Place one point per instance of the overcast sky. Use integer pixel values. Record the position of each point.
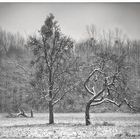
(73, 18)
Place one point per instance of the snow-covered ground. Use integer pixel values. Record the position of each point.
(72, 125)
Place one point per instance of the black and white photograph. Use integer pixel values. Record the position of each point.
(69, 70)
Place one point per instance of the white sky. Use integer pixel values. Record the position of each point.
(73, 18)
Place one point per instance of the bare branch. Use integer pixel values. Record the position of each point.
(129, 105)
(56, 92)
(113, 78)
(106, 100)
(112, 90)
(87, 80)
(113, 102)
(46, 97)
(99, 93)
(98, 100)
(98, 103)
(64, 94)
(89, 91)
(55, 102)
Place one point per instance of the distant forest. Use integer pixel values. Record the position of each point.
(21, 85)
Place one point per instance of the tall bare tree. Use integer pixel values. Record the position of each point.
(54, 63)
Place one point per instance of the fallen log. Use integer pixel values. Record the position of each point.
(20, 114)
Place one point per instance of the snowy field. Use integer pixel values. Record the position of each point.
(72, 125)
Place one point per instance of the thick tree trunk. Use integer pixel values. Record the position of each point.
(51, 116)
(87, 116)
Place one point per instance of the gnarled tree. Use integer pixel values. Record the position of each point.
(108, 81)
(107, 70)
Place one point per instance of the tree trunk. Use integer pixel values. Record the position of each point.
(87, 116)
(32, 113)
(51, 117)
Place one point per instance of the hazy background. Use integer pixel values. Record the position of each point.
(73, 18)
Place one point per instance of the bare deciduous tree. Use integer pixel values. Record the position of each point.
(107, 82)
(54, 63)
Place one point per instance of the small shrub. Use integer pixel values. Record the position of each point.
(108, 124)
(104, 124)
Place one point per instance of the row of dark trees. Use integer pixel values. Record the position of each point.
(51, 70)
